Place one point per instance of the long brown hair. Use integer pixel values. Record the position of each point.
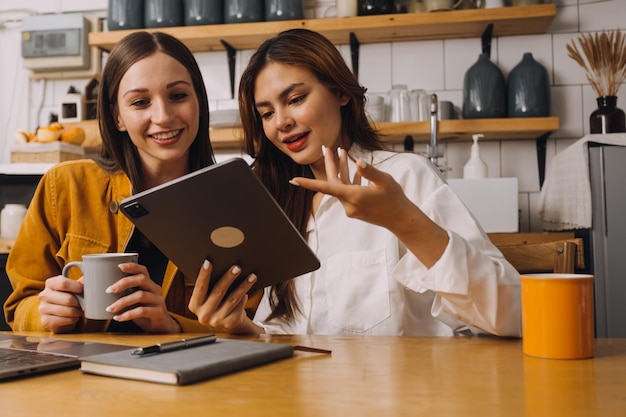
(118, 152)
(310, 50)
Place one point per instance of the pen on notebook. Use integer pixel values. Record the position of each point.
(178, 344)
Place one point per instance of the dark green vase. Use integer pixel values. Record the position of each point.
(484, 90)
(528, 89)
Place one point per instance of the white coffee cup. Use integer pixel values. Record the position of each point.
(494, 4)
(100, 271)
(346, 8)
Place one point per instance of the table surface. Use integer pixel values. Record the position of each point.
(364, 376)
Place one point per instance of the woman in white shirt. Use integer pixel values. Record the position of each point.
(400, 254)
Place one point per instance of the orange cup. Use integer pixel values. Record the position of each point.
(557, 316)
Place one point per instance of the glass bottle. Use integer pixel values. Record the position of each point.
(607, 118)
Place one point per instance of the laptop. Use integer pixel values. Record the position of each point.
(27, 355)
(222, 213)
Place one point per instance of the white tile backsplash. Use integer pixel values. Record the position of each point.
(566, 19)
(569, 72)
(519, 159)
(373, 75)
(566, 104)
(437, 66)
(512, 49)
(459, 55)
(602, 15)
(216, 75)
(418, 64)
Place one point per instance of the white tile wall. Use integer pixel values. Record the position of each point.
(438, 66)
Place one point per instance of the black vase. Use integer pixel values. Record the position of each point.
(607, 118)
(484, 90)
(528, 89)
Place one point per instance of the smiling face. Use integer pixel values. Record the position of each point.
(158, 107)
(299, 113)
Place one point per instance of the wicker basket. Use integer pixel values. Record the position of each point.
(46, 152)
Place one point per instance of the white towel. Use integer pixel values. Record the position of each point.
(565, 198)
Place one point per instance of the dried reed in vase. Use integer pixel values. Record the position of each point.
(603, 58)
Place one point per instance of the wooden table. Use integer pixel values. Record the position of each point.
(364, 376)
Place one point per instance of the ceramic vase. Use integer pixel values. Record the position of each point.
(607, 118)
(163, 13)
(528, 89)
(204, 12)
(243, 11)
(283, 10)
(125, 14)
(484, 90)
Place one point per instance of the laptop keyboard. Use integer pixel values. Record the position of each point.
(20, 357)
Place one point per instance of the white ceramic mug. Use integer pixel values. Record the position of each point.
(100, 271)
(346, 8)
(494, 4)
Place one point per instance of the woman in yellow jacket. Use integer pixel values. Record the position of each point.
(153, 114)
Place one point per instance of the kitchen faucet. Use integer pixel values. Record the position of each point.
(433, 150)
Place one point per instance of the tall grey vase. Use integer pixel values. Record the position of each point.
(484, 90)
(528, 89)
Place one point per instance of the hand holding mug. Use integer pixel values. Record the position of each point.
(100, 271)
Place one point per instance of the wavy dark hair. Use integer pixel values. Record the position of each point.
(118, 152)
(313, 51)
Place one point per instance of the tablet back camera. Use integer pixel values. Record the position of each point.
(135, 210)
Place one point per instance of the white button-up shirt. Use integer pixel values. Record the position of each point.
(370, 284)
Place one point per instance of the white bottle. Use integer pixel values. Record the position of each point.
(475, 166)
(11, 218)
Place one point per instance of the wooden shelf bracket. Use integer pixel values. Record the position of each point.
(232, 60)
(354, 53)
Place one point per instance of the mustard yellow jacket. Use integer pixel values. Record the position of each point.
(74, 211)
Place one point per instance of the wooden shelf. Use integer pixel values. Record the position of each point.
(531, 128)
(521, 20)
(507, 21)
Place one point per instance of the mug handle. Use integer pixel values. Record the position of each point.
(64, 272)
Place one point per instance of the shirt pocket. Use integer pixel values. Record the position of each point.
(75, 246)
(358, 290)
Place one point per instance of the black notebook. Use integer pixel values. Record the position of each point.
(222, 213)
(185, 366)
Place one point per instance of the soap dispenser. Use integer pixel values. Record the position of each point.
(475, 166)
